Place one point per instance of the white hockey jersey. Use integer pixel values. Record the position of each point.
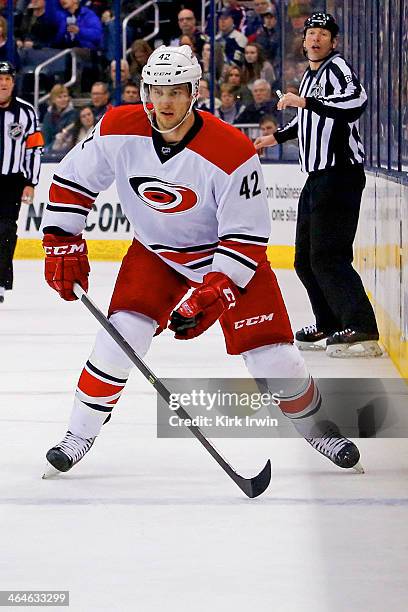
(200, 205)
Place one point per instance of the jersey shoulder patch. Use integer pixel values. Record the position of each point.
(127, 120)
(221, 144)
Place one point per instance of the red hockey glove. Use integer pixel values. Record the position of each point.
(66, 262)
(204, 307)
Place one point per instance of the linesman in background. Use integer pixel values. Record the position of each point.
(21, 145)
(330, 102)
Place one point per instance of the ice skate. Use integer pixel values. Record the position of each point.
(309, 338)
(63, 456)
(353, 343)
(341, 451)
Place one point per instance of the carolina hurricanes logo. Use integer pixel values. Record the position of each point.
(163, 196)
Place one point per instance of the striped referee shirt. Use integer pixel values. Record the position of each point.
(327, 128)
(21, 141)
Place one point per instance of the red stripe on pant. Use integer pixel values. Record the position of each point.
(94, 387)
(294, 406)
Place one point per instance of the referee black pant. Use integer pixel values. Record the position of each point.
(328, 212)
(11, 190)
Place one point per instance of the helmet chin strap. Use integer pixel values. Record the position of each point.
(150, 115)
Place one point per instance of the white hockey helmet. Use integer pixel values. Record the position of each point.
(170, 66)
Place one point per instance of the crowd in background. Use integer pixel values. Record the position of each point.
(249, 62)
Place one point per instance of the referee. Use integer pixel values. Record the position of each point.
(21, 145)
(330, 102)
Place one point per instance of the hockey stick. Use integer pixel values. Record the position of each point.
(252, 487)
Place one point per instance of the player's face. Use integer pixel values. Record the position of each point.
(318, 43)
(171, 103)
(6, 87)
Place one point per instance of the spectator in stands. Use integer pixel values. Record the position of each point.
(232, 40)
(254, 18)
(108, 35)
(255, 66)
(100, 99)
(124, 74)
(294, 46)
(3, 44)
(85, 122)
(268, 125)
(233, 77)
(238, 13)
(268, 36)
(188, 25)
(139, 54)
(263, 104)
(230, 106)
(131, 93)
(76, 131)
(60, 113)
(186, 39)
(77, 25)
(97, 6)
(203, 100)
(290, 150)
(290, 72)
(219, 60)
(35, 30)
(297, 12)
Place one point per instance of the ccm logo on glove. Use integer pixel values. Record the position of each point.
(66, 249)
(205, 306)
(66, 263)
(230, 296)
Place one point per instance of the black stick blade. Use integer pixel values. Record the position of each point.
(252, 487)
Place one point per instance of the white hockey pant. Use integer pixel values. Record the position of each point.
(105, 373)
(283, 369)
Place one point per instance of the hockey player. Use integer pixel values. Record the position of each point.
(192, 188)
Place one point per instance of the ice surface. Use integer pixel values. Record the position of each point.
(149, 524)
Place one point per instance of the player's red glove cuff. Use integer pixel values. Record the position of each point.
(66, 262)
(205, 306)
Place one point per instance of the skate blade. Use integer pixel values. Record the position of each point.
(358, 349)
(50, 472)
(358, 468)
(311, 346)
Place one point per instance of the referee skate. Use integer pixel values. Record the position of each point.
(352, 343)
(341, 344)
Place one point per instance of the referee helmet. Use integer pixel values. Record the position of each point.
(7, 68)
(321, 20)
